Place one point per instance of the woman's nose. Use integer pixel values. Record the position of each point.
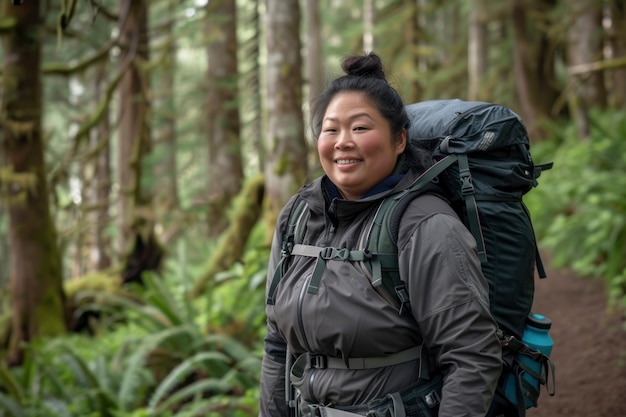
(344, 140)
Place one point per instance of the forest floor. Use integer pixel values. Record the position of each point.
(589, 348)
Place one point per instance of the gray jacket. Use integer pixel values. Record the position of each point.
(347, 318)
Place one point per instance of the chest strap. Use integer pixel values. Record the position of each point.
(324, 362)
(323, 255)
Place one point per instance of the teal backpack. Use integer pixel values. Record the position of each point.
(482, 162)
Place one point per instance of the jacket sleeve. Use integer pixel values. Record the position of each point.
(450, 301)
(272, 387)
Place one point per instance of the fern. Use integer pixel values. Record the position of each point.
(12, 407)
(229, 345)
(181, 371)
(134, 375)
(195, 390)
(98, 397)
(160, 297)
(218, 406)
(10, 383)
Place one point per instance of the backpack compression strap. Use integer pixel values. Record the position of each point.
(469, 196)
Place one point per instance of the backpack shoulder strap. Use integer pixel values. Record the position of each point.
(293, 234)
(381, 238)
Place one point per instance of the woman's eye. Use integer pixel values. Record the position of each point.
(360, 128)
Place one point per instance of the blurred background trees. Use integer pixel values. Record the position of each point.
(147, 147)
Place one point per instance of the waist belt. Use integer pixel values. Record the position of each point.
(323, 361)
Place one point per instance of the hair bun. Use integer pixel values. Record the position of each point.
(369, 65)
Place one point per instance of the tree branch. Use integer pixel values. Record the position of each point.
(597, 66)
(58, 68)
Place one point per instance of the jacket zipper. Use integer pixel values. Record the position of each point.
(303, 292)
(300, 316)
(303, 333)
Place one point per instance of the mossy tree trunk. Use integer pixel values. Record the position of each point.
(286, 165)
(101, 184)
(165, 188)
(222, 113)
(247, 210)
(38, 301)
(617, 41)
(133, 123)
(533, 65)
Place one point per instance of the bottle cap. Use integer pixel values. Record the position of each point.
(538, 321)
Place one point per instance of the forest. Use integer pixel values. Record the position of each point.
(147, 147)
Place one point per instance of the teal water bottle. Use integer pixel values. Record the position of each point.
(536, 336)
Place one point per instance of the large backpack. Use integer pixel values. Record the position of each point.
(491, 168)
(482, 162)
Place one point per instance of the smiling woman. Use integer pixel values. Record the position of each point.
(346, 349)
(356, 146)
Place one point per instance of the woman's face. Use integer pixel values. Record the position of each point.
(355, 144)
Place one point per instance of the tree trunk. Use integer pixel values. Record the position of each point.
(369, 17)
(286, 165)
(533, 65)
(584, 46)
(251, 92)
(222, 113)
(165, 191)
(617, 42)
(101, 187)
(38, 301)
(133, 126)
(246, 210)
(314, 56)
(412, 32)
(585, 42)
(477, 57)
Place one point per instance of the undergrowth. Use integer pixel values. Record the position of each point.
(164, 355)
(579, 207)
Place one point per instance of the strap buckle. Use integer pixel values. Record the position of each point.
(432, 398)
(317, 361)
(327, 253)
(467, 185)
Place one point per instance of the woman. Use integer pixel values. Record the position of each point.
(361, 130)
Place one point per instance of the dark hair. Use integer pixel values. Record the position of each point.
(364, 73)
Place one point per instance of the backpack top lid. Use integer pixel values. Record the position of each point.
(493, 136)
(477, 126)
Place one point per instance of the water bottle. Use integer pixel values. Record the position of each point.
(536, 336)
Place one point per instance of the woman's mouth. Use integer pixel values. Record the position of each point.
(346, 161)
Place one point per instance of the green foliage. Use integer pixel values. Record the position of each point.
(160, 359)
(579, 209)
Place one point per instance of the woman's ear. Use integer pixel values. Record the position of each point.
(401, 142)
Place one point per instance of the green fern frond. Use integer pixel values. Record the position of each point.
(196, 389)
(134, 376)
(10, 383)
(11, 406)
(80, 369)
(57, 387)
(230, 346)
(179, 373)
(217, 406)
(160, 297)
(99, 398)
(133, 379)
(125, 351)
(247, 372)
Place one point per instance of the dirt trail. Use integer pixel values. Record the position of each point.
(589, 351)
